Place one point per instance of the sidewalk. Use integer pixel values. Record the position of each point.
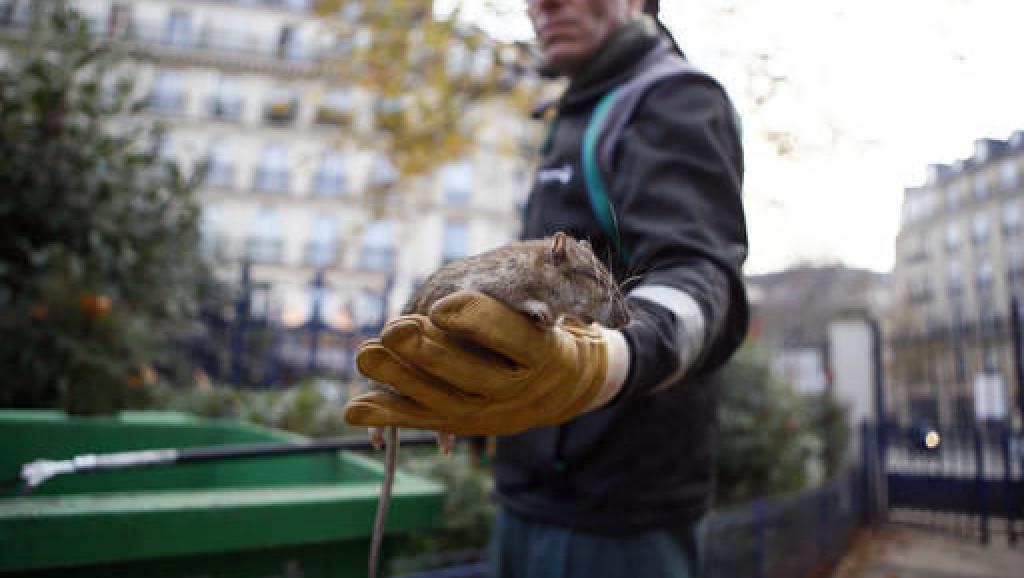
(902, 552)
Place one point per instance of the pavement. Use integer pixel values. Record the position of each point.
(895, 551)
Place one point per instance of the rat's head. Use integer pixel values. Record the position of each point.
(579, 281)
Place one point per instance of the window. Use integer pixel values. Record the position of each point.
(952, 198)
(179, 28)
(288, 45)
(382, 172)
(1012, 218)
(378, 246)
(952, 236)
(272, 174)
(457, 60)
(321, 249)
(9, 12)
(457, 180)
(211, 221)
(389, 114)
(483, 61)
(168, 93)
(226, 102)
(1015, 264)
(213, 241)
(265, 244)
(336, 108)
(330, 179)
(456, 241)
(119, 19)
(282, 106)
(980, 184)
(221, 171)
(954, 278)
(1008, 172)
(918, 291)
(979, 229)
(369, 310)
(984, 274)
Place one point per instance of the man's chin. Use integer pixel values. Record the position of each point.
(564, 60)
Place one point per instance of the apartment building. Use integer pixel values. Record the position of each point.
(241, 85)
(959, 263)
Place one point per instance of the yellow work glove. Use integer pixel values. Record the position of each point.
(478, 367)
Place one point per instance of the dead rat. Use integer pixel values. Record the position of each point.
(544, 279)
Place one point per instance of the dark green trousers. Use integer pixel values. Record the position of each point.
(523, 548)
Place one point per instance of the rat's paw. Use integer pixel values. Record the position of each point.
(445, 442)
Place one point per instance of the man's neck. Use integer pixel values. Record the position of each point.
(616, 52)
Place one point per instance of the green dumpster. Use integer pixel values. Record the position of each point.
(292, 516)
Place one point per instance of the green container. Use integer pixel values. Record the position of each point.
(296, 516)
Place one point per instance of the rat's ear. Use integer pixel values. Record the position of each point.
(557, 254)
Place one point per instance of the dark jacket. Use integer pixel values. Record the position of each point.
(646, 459)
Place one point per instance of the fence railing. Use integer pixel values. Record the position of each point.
(792, 537)
(966, 480)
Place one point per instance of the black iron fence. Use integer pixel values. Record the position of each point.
(967, 480)
(241, 340)
(792, 537)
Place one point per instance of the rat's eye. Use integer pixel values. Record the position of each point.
(585, 273)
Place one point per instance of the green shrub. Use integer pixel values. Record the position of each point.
(98, 235)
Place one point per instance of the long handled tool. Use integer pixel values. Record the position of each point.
(34, 474)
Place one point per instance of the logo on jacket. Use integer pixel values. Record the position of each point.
(559, 175)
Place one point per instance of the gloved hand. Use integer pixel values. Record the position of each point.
(478, 367)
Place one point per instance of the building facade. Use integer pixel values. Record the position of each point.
(959, 264)
(240, 86)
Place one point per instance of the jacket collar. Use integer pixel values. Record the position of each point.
(613, 63)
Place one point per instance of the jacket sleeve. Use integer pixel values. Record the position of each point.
(677, 191)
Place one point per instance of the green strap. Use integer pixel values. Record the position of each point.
(597, 190)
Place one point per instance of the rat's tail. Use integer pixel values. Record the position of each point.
(390, 462)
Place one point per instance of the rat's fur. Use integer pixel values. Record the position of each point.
(544, 279)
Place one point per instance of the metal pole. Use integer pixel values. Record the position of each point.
(760, 538)
(880, 494)
(1005, 439)
(1018, 356)
(239, 327)
(34, 474)
(315, 323)
(980, 489)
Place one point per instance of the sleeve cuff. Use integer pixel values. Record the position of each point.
(618, 367)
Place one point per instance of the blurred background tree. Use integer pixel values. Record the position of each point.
(431, 79)
(98, 242)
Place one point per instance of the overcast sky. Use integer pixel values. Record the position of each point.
(875, 90)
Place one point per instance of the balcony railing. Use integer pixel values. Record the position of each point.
(333, 116)
(215, 247)
(319, 254)
(220, 176)
(377, 258)
(329, 185)
(264, 250)
(166, 102)
(298, 5)
(270, 180)
(281, 112)
(240, 46)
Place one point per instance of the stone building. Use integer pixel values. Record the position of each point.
(959, 263)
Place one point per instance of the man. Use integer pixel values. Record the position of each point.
(604, 464)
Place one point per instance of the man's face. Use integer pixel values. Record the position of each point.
(570, 31)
